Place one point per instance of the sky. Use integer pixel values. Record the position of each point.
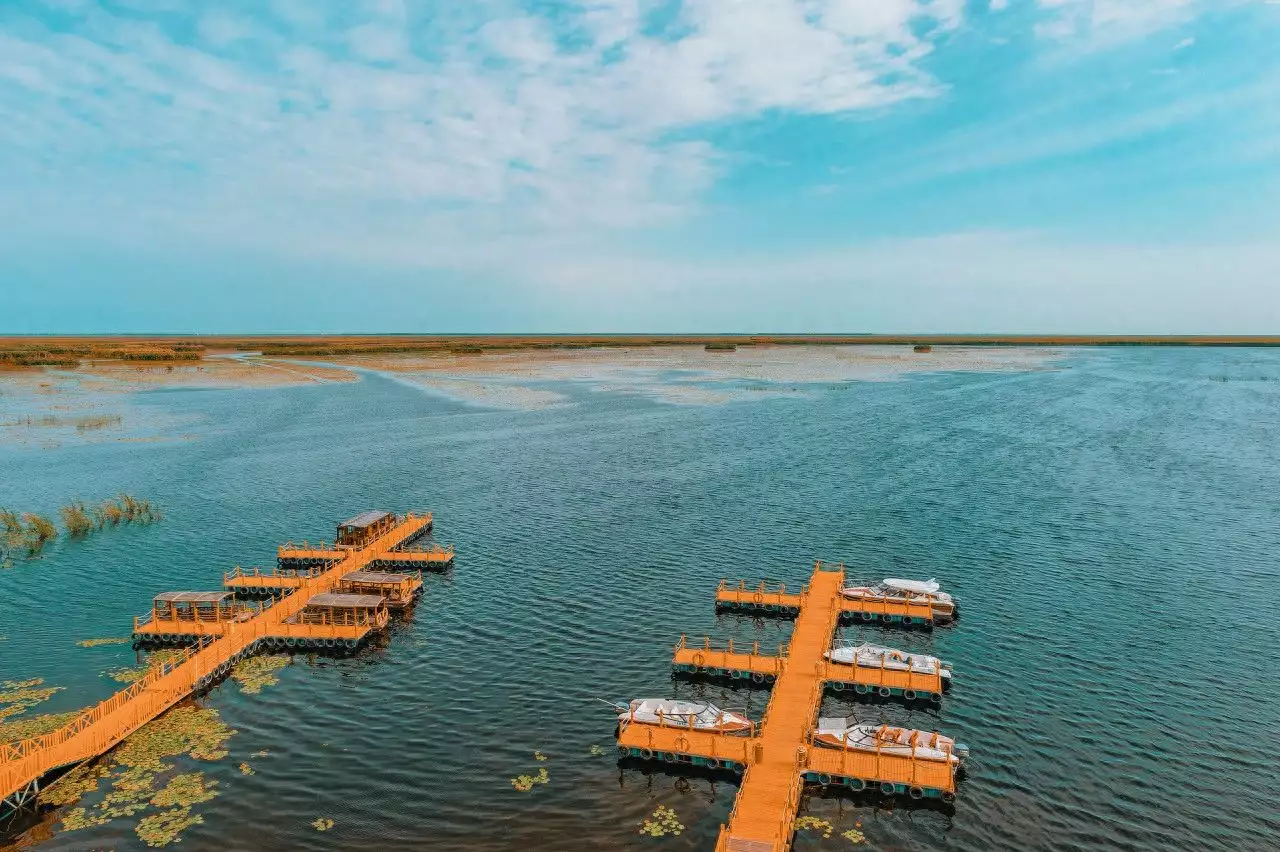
(1090, 166)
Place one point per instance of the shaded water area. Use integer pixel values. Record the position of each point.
(1110, 525)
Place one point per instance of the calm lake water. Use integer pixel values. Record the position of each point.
(1111, 526)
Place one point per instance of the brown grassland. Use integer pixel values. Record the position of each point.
(17, 352)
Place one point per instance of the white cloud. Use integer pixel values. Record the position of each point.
(1184, 44)
(551, 135)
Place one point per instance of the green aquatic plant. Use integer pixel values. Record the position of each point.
(187, 729)
(661, 822)
(525, 783)
(185, 790)
(70, 788)
(19, 696)
(38, 531)
(77, 519)
(163, 828)
(855, 835)
(809, 823)
(596, 751)
(246, 769)
(537, 755)
(94, 643)
(256, 672)
(33, 726)
(322, 824)
(154, 660)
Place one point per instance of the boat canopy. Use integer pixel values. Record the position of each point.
(918, 586)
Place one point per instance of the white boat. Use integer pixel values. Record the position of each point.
(888, 740)
(876, 656)
(894, 590)
(697, 715)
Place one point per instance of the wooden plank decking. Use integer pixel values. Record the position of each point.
(24, 763)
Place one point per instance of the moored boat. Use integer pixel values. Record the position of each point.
(697, 715)
(889, 740)
(894, 590)
(877, 656)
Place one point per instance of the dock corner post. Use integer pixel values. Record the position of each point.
(758, 753)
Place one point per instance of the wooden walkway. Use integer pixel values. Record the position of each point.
(779, 754)
(770, 793)
(24, 763)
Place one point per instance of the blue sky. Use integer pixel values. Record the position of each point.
(640, 165)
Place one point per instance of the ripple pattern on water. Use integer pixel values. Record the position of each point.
(1109, 526)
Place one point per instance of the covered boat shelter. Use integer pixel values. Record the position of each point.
(364, 528)
(337, 608)
(398, 589)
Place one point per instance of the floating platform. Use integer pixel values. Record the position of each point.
(777, 601)
(779, 755)
(399, 590)
(219, 631)
(430, 557)
(268, 580)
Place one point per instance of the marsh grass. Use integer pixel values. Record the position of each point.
(77, 519)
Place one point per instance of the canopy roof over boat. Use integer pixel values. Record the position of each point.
(379, 578)
(918, 586)
(192, 597)
(349, 601)
(365, 519)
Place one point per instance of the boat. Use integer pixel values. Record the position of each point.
(876, 656)
(889, 740)
(893, 590)
(697, 715)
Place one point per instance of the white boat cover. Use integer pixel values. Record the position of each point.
(921, 587)
(670, 711)
(889, 740)
(893, 658)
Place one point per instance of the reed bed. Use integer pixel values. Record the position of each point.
(28, 533)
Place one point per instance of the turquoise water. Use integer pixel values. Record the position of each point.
(1111, 527)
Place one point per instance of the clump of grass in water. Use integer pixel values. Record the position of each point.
(77, 519)
(662, 822)
(322, 824)
(524, 783)
(256, 672)
(94, 643)
(154, 660)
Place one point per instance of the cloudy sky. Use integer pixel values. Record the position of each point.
(640, 165)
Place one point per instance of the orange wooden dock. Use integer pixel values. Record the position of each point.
(214, 647)
(778, 755)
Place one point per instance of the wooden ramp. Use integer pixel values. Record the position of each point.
(24, 763)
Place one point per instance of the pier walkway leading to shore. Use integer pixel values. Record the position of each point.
(779, 754)
(210, 656)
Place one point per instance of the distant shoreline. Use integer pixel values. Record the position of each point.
(63, 350)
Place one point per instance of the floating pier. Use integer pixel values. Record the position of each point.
(313, 611)
(778, 755)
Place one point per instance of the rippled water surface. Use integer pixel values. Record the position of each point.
(1111, 526)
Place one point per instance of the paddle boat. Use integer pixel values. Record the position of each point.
(893, 590)
(889, 740)
(875, 656)
(696, 715)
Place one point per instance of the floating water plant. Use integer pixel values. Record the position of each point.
(18, 696)
(246, 769)
(322, 824)
(94, 643)
(70, 788)
(661, 822)
(185, 790)
(524, 783)
(256, 672)
(537, 755)
(596, 751)
(854, 835)
(33, 726)
(808, 823)
(192, 730)
(163, 828)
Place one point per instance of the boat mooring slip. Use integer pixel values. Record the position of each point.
(791, 745)
(326, 597)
